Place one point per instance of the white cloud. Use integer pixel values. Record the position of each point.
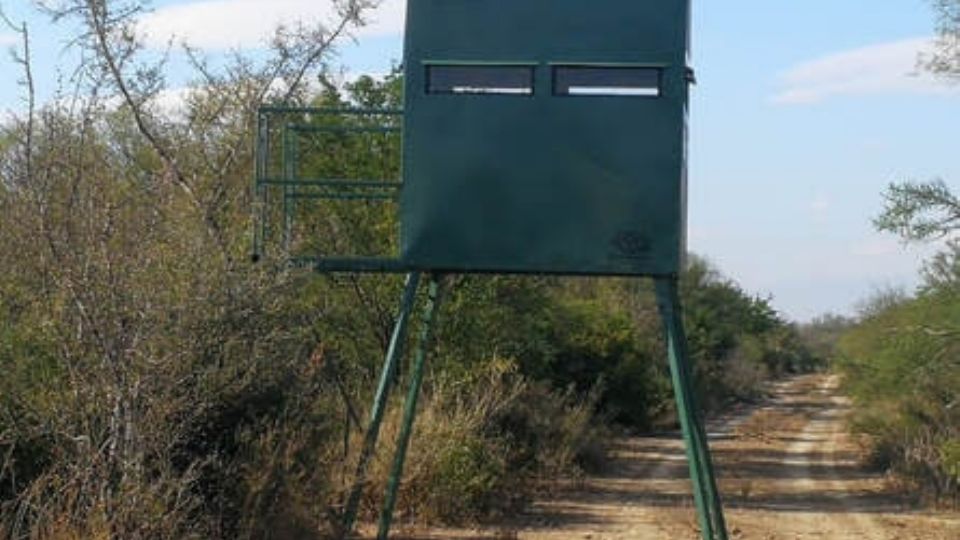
(885, 68)
(221, 24)
(172, 102)
(8, 39)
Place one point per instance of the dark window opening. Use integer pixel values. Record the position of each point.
(606, 81)
(480, 79)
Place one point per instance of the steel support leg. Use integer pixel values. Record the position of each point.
(289, 171)
(410, 407)
(260, 213)
(705, 493)
(394, 352)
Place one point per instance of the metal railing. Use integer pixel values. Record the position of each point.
(317, 167)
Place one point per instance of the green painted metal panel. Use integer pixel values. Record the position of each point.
(545, 136)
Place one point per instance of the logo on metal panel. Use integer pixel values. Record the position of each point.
(631, 245)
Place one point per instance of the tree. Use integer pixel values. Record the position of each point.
(148, 374)
(918, 211)
(158, 385)
(902, 360)
(945, 60)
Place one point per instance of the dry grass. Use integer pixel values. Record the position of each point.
(481, 449)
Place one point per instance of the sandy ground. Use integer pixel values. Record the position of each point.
(788, 471)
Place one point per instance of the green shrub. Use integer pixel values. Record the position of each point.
(901, 365)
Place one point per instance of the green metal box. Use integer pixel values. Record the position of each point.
(545, 136)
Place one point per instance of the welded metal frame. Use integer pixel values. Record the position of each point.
(706, 495)
(291, 187)
(294, 188)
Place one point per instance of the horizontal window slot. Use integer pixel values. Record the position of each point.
(607, 81)
(480, 79)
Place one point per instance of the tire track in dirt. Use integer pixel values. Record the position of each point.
(645, 492)
(806, 479)
(823, 429)
(862, 521)
(788, 471)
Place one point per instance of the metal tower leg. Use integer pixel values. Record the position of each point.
(706, 495)
(289, 171)
(410, 407)
(394, 352)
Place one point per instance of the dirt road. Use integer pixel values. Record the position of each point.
(788, 471)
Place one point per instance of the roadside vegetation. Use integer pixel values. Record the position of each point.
(157, 384)
(901, 361)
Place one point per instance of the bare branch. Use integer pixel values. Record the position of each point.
(104, 28)
(27, 82)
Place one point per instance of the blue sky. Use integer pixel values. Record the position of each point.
(804, 111)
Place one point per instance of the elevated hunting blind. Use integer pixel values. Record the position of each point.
(536, 136)
(545, 136)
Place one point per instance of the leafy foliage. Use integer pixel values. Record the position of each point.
(945, 61)
(736, 340)
(902, 367)
(920, 211)
(902, 361)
